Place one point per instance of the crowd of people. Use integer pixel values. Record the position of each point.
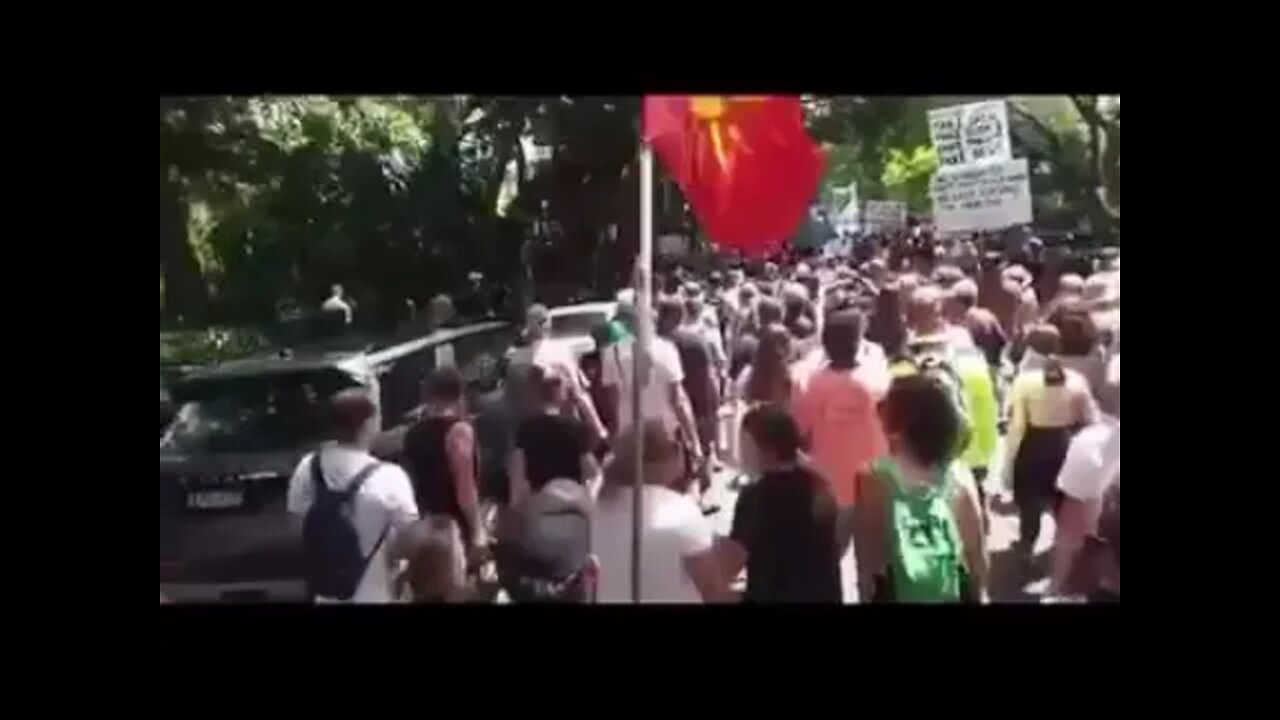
(858, 400)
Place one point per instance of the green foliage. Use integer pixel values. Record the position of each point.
(211, 345)
(1072, 143)
(861, 134)
(271, 199)
(274, 198)
(906, 175)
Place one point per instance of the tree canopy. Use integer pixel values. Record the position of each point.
(266, 201)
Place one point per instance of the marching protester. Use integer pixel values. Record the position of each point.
(678, 561)
(1022, 307)
(351, 505)
(1095, 572)
(434, 562)
(1080, 347)
(917, 527)
(440, 455)
(887, 327)
(603, 335)
(543, 351)
(925, 319)
(962, 311)
(769, 311)
(836, 414)
(543, 546)
(784, 524)
(678, 322)
(1091, 463)
(549, 445)
(662, 395)
(1047, 406)
(766, 380)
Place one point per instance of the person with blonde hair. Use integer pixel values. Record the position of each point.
(549, 444)
(434, 564)
(1047, 406)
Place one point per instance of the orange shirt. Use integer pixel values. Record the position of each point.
(837, 412)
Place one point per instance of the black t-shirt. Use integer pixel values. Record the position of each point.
(786, 521)
(553, 447)
(744, 351)
(695, 360)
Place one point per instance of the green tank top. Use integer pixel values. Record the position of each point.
(926, 563)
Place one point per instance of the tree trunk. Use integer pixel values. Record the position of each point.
(1089, 186)
(526, 283)
(1100, 140)
(186, 296)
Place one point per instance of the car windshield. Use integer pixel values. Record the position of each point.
(577, 324)
(263, 413)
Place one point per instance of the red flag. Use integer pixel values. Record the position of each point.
(746, 163)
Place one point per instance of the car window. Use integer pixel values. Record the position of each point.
(480, 352)
(401, 385)
(578, 324)
(255, 413)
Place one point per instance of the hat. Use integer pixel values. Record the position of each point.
(548, 536)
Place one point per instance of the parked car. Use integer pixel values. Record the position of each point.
(169, 374)
(239, 432)
(572, 324)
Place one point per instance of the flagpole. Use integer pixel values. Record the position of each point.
(644, 327)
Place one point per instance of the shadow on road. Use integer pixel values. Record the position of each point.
(1011, 571)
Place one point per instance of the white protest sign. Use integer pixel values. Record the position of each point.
(973, 133)
(886, 214)
(848, 217)
(981, 197)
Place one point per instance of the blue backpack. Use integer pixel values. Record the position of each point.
(331, 545)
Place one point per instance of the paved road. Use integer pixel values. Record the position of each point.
(1011, 580)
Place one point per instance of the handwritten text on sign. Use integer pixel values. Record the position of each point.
(886, 214)
(986, 197)
(973, 133)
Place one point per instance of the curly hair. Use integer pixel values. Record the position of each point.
(919, 409)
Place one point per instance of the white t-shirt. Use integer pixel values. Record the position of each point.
(385, 500)
(337, 304)
(549, 353)
(1093, 460)
(655, 398)
(873, 368)
(673, 528)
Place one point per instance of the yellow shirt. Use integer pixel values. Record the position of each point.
(1034, 404)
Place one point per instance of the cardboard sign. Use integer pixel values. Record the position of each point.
(883, 215)
(981, 197)
(973, 133)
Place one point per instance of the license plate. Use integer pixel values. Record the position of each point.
(215, 499)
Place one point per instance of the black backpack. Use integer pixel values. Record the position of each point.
(331, 545)
(544, 545)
